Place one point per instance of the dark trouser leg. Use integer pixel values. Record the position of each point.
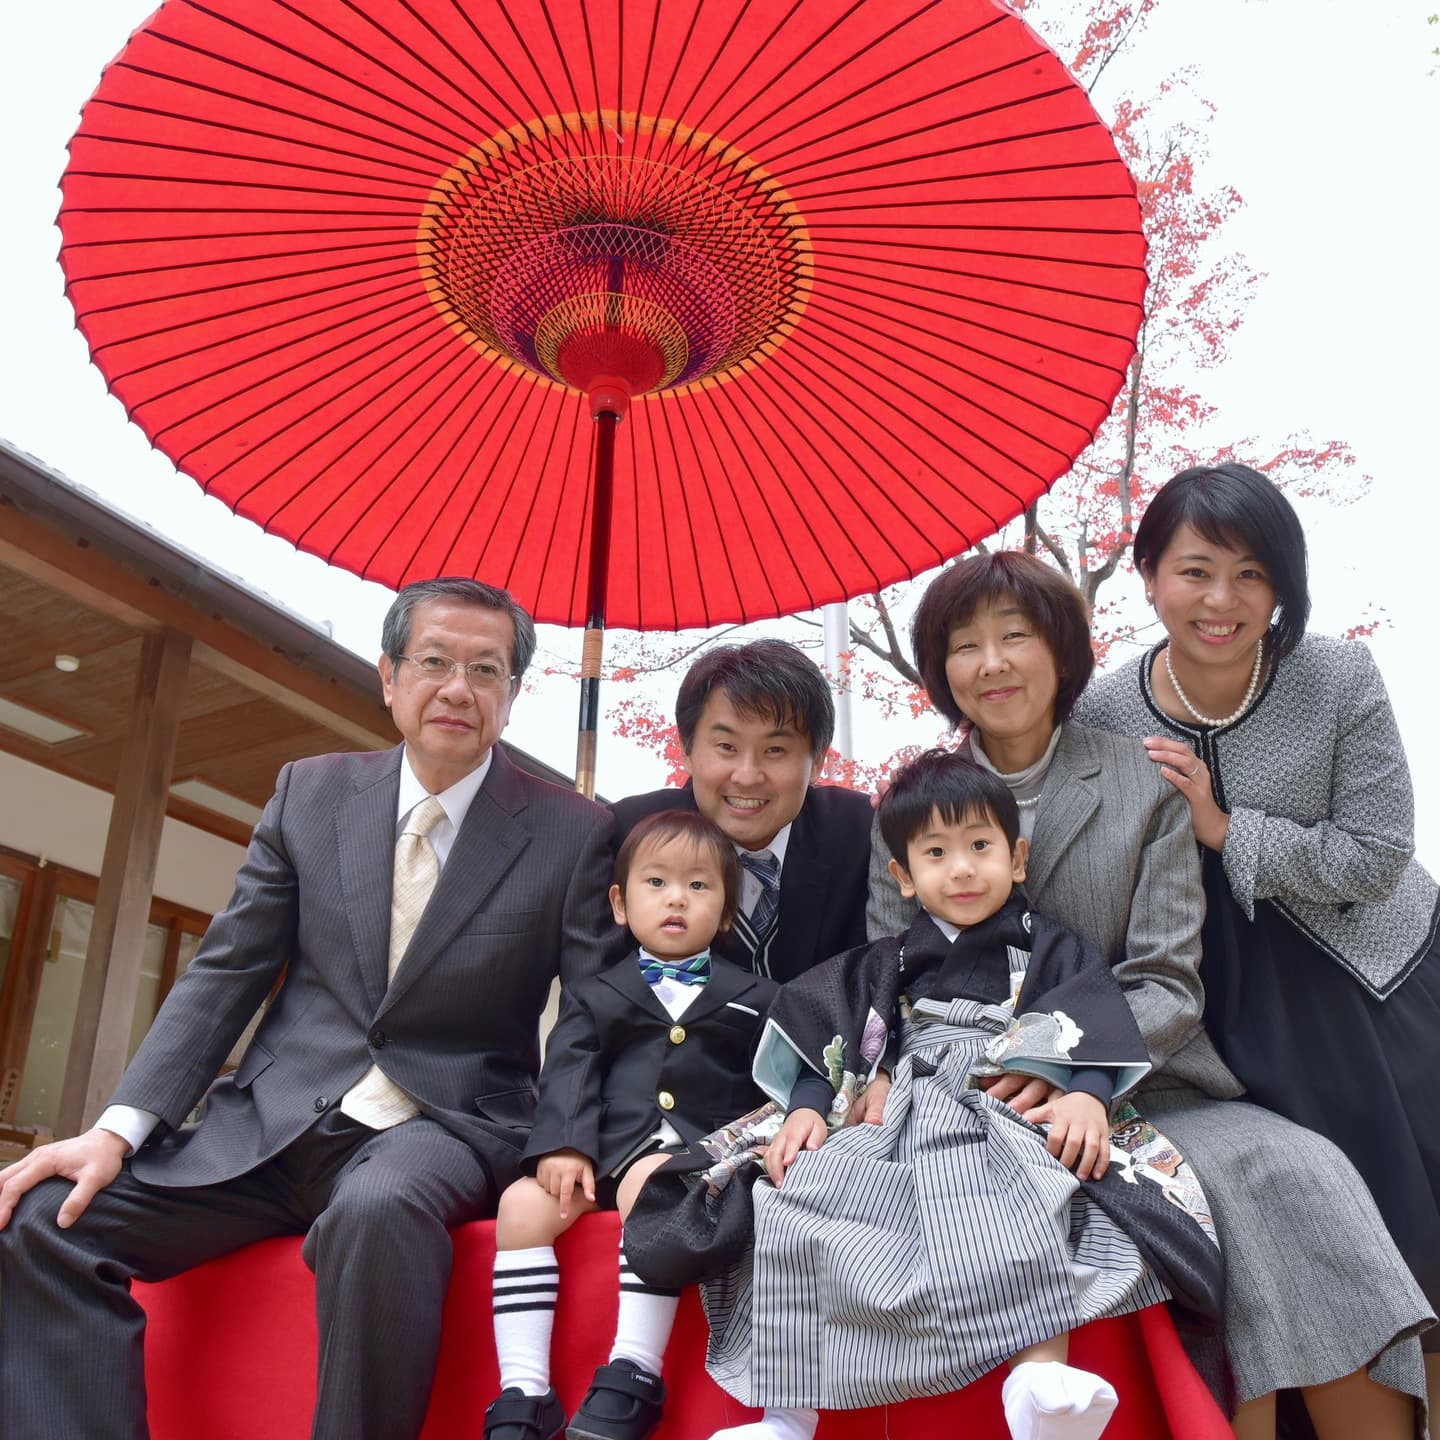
(381, 1255)
(71, 1336)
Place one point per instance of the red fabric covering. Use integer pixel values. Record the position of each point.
(231, 1356)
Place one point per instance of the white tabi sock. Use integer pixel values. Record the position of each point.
(647, 1315)
(1045, 1400)
(526, 1284)
(775, 1425)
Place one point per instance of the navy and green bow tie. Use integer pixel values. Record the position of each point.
(694, 971)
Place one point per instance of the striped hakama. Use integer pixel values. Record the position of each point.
(911, 1257)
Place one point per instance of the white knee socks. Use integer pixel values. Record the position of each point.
(775, 1425)
(1045, 1400)
(647, 1315)
(526, 1284)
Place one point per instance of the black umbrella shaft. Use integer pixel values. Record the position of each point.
(606, 422)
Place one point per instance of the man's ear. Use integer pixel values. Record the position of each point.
(1018, 857)
(386, 666)
(902, 879)
(617, 904)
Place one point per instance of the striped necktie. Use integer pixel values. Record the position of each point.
(754, 930)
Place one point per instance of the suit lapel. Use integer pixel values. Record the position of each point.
(626, 978)
(490, 839)
(1068, 800)
(804, 884)
(365, 842)
(725, 983)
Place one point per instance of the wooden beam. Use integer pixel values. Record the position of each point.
(100, 1038)
(84, 573)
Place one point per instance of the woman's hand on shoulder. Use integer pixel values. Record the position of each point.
(1079, 1133)
(1190, 775)
(802, 1130)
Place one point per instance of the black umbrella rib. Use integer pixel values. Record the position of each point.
(561, 56)
(642, 417)
(464, 401)
(224, 184)
(716, 469)
(422, 326)
(458, 138)
(845, 135)
(840, 280)
(904, 343)
(821, 370)
(464, 13)
(816, 331)
(902, 271)
(172, 147)
(803, 195)
(425, 160)
(172, 239)
(369, 505)
(826, 76)
(664, 100)
(325, 314)
(314, 477)
(907, 242)
(665, 411)
(403, 251)
(798, 435)
(174, 295)
(719, 395)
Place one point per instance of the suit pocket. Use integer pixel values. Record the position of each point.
(255, 1059)
(514, 1109)
(502, 922)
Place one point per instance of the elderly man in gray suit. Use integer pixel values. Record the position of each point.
(418, 904)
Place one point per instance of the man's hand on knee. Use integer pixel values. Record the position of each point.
(91, 1160)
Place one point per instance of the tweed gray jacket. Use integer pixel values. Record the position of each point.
(1113, 858)
(1321, 809)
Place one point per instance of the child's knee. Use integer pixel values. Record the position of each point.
(528, 1215)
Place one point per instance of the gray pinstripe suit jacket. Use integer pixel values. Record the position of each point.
(521, 899)
(1113, 857)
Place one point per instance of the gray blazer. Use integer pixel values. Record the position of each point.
(1113, 858)
(1322, 815)
(521, 898)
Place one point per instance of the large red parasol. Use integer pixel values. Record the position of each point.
(860, 279)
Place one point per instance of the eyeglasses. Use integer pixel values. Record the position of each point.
(479, 674)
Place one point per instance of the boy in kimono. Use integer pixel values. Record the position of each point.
(648, 1055)
(911, 1255)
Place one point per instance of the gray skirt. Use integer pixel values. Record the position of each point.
(1315, 1289)
(911, 1257)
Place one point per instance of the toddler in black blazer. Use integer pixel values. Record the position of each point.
(653, 1053)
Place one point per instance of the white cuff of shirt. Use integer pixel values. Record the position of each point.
(133, 1126)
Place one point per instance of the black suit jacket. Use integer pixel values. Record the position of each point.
(521, 899)
(823, 883)
(615, 1051)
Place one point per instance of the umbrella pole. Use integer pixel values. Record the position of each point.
(608, 405)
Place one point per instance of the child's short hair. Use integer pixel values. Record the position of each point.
(667, 825)
(951, 784)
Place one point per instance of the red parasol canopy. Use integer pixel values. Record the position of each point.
(865, 276)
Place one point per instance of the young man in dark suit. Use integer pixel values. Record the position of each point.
(418, 903)
(755, 723)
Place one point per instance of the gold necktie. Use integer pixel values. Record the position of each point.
(376, 1100)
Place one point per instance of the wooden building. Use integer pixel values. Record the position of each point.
(147, 702)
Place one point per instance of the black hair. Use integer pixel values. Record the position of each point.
(395, 632)
(1047, 599)
(766, 679)
(948, 784)
(1239, 508)
(667, 825)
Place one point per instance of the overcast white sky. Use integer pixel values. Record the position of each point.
(1328, 123)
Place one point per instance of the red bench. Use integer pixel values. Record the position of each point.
(231, 1356)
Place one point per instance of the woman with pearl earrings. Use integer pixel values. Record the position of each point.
(1321, 974)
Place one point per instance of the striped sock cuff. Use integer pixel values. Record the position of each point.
(525, 1280)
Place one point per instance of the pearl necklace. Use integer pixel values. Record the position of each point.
(1244, 704)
